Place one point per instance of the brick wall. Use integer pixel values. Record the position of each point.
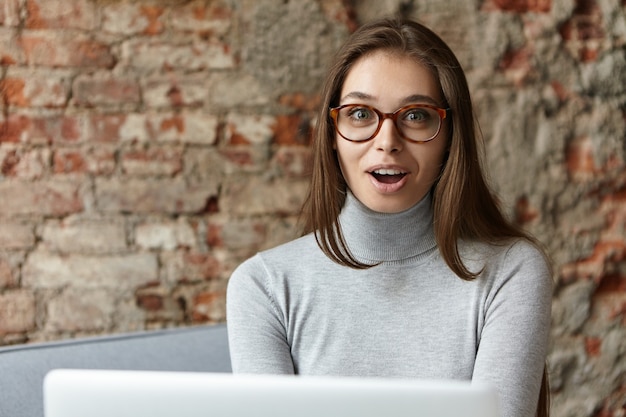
(147, 147)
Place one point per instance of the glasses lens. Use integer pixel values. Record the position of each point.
(416, 123)
(357, 122)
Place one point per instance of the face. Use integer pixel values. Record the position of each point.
(387, 173)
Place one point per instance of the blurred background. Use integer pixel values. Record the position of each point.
(147, 147)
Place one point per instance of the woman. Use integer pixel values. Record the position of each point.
(407, 268)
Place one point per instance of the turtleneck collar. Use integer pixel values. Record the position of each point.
(382, 237)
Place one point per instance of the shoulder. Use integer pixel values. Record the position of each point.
(294, 249)
(296, 252)
(518, 259)
(518, 249)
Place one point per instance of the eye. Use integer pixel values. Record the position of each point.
(416, 115)
(359, 113)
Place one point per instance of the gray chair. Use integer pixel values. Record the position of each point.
(23, 367)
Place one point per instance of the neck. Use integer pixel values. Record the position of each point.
(378, 237)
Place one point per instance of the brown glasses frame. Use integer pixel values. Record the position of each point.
(443, 113)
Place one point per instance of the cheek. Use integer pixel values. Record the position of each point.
(348, 158)
(432, 159)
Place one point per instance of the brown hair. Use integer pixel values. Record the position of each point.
(463, 205)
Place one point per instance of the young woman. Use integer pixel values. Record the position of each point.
(407, 268)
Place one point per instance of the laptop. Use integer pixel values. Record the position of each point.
(107, 393)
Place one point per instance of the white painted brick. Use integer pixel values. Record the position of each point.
(167, 236)
(123, 272)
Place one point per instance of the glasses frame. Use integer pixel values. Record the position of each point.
(443, 113)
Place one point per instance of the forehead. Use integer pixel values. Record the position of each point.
(389, 78)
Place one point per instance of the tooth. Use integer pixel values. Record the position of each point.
(388, 172)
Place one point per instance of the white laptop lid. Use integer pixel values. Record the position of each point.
(104, 393)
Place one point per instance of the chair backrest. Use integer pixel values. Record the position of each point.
(22, 368)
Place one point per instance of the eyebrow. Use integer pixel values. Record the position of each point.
(414, 98)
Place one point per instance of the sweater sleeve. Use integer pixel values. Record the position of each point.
(256, 331)
(513, 343)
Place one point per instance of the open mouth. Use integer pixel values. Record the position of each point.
(388, 176)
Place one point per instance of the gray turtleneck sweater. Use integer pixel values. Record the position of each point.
(293, 310)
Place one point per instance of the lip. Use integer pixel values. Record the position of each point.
(386, 188)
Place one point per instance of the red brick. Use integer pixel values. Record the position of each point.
(522, 6)
(10, 52)
(7, 278)
(342, 12)
(213, 19)
(105, 90)
(200, 266)
(193, 56)
(42, 130)
(300, 101)
(294, 129)
(133, 18)
(190, 267)
(293, 161)
(64, 50)
(584, 31)
(609, 299)
(10, 13)
(561, 91)
(593, 346)
(214, 235)
(106, 127)
(83, 235)
(75, 310)
(254, 195)
(579, 159)
(153, 161)
(167, 195)
(101, 160)
(13, 127)
(525, 212)
(24, 163)
(67, 161)
(150, 302)
(613, 405)
(212, 205)
(16, 236)
(613, 283)
(186, 127)
(241, 156)
(17, 311)
(208, 306)
(516, 65)
(246, 130)
(183, 90)
(594, 267)
(165, 235)
(123, 272)
(61, 14)
(12, 90)
(36, 88)
(237, 234)
(48, 198)
(153, 15)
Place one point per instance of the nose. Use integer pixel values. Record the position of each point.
(388, 138)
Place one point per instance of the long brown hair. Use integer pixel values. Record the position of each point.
(463, 205)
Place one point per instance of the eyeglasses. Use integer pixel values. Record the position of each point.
(415, 122)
